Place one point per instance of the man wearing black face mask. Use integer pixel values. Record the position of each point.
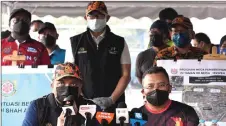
(167, 15)
(20, 41)
(46, 110)
(182, 33)
(160, 109)
(48, 36)
(158, 38)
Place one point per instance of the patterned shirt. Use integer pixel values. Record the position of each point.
(174, 114)
(172, 53)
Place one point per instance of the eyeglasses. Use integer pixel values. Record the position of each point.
(156, 86)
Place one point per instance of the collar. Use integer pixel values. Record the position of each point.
(101, 36)
(55, 49)
(168, 103)
(11, 39)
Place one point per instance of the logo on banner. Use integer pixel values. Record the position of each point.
(8, 88)
(174, 71)
(7, 50)
(30, 49)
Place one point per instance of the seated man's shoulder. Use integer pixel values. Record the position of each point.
(186, 108)
(43, 101)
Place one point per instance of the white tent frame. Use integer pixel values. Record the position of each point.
(121, 9)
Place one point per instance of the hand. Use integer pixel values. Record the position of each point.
(61, 119)
(103, 102)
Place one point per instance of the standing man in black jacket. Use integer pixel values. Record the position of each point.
(102, 57)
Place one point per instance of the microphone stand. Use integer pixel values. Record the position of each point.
(104, 122)
(122, 119)
(137, 124)
(67, 116)
(88, 118)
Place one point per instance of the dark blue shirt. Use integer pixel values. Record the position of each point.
(54, 111)
(31, 118)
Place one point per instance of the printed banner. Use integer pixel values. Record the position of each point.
(19, 87)
(202, 85)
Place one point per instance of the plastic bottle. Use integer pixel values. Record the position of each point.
(202, 122)
(214, 123)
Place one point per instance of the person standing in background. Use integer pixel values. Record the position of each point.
(158, 36)
(182, 34)
(48, 36)
(34, 28)
(167, 15)
(20, 42)
(223, 45)
(103, 59)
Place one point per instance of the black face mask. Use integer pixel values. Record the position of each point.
(49, 41)
(65, 91)
(157, 97)
(21, 28)
(156, 40)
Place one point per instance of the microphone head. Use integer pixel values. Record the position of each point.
(136, 116)
(122, 105)
(122, 114)
(104, 116)
(87, 111)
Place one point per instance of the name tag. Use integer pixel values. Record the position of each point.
(113, 50)
(82, 50)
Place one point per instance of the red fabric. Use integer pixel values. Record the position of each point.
(34, 51)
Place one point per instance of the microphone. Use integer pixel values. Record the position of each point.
(122, 114)
(69, 108)
(104, 118)
(87, 111)
(137, 118)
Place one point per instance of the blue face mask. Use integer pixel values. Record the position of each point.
(181, 39)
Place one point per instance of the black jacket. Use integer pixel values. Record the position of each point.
(48, 111)
(100, 65)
